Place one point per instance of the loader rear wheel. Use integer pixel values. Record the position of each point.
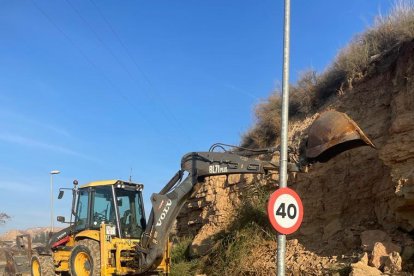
(85, 259)
(42, 265)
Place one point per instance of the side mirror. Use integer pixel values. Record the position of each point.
(61, 219)
(61, 193)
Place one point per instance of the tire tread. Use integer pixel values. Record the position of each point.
(95, 252)
(47, 268)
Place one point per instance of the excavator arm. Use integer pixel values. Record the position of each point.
(332, 132)
(167, 204)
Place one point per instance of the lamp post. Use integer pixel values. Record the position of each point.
(51, 198)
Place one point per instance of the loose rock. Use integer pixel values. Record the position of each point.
(393, 263)
(361, 269)
(381, 251)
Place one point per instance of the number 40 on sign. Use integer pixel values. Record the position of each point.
(285, 211)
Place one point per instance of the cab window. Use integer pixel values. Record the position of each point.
(132, 218)
(82, 210)
(103, 210)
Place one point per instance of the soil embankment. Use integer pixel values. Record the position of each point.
(358, 191)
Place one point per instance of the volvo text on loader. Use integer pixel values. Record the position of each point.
(110, 235)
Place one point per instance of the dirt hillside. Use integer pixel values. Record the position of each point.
(345, 199)
(11, 235)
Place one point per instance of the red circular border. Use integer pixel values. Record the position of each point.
(270, 211)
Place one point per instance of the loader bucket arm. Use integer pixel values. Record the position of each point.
(331, 133)
(167, 204)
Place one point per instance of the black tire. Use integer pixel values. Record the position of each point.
(42, 265)
(85, 259)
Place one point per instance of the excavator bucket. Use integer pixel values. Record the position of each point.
(331, 133)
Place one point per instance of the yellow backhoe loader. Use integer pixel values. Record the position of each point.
(109, 234)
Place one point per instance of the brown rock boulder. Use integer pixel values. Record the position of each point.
(361, 269)
(380, 253)
(393, 263)
(364, 259)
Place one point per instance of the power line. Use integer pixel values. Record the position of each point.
(164, 107)
(126, 49)
(94, 66)
(100, 40)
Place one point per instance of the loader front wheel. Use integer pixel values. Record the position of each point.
(85, 259)
(42, 265)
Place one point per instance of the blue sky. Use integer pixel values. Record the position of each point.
(97, 88)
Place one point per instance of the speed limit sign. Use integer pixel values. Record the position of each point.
(285, 211)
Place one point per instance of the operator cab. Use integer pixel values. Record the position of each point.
(113, 202)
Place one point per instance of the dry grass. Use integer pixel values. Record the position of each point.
(267, 127)
(301, 99)
(235, 249)
(386, 32)
(350, 65)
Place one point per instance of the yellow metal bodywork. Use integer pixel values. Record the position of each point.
(107, 183)
(115, 253)
(88, 234)
(100, 183)
(61, 257)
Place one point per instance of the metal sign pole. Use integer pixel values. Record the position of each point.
(281, 239)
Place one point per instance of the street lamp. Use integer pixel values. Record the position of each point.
(51, 198)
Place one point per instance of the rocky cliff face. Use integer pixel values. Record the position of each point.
(376, 184)
(358, 190)
(211, 209)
